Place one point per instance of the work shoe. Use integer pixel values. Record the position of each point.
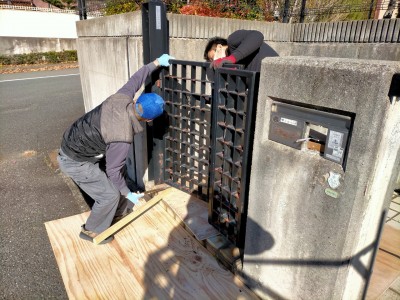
(116, 219)
(90, 235)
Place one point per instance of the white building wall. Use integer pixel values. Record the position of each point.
(19, 23)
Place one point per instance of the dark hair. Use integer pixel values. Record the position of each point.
(214, 41)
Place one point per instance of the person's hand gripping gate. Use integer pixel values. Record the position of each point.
(163, 60)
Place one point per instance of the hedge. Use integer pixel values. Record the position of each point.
(39, 58)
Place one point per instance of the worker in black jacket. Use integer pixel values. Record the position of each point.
(245, 47)
(107, 131)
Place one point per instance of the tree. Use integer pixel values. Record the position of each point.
(70, 4)
(56, 3)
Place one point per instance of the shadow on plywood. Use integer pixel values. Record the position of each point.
(152, 257)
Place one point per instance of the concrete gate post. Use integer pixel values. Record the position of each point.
(325, 161)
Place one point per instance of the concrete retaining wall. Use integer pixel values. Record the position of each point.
(369, 51)
(117, 44)
(374, 39)
(189, 34)
(23, 45)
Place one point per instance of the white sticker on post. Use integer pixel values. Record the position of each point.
(158, 17)
(334, 180)
(335, 139)
(288, 121)
(338, 152)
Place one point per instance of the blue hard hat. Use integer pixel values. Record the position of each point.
(149, 106)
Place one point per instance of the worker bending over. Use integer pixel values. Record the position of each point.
(107, 131)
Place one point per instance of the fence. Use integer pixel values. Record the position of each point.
(368, 31)
(94, 13)
(285, 11)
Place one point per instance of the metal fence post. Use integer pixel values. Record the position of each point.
(302, 10)
(82, 9)
(155, 43)
(285, 18)
(371, 8)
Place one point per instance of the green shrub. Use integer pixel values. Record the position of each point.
(51, 57)
(5, 60)
(115, 7)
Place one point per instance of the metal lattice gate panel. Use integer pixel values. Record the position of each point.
(187, 94)
(233, 129)
(209, 139)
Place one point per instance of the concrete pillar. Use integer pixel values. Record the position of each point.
(313, 214)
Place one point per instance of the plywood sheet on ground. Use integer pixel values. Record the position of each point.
(390, 241)
(387, 264)
(193, 212)
(153, 257)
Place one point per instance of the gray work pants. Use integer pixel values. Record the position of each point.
(108, 201)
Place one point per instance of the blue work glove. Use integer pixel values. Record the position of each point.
(134, 197)
(163, 60)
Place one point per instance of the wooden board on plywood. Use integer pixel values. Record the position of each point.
(386, 271)
(152, 257)
(390, 241)
(387, 264)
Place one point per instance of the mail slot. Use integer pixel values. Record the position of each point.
(310, 129)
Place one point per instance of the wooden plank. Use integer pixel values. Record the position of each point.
(386, 271)
(152, 258)
(390, 240)
(80, 262)
(192, 211)
(132, 216)
(387, 263)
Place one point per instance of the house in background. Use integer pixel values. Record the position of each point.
(387, 9)
(30, 3)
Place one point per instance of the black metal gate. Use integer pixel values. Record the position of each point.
(187, 93)
(235, 94)
(209, 139)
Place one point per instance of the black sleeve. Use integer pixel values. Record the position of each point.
(242, 43)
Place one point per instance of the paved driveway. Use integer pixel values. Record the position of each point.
(35, 109)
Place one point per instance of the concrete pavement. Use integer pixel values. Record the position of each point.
(35, 109)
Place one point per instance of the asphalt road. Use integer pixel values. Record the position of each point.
(35, 109)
